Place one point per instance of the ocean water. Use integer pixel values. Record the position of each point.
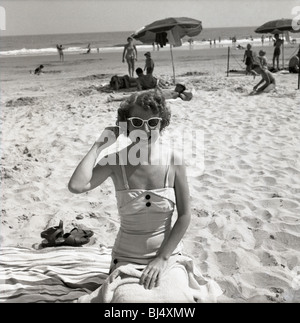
(109, 41)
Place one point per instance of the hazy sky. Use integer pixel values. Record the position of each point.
(73, 16)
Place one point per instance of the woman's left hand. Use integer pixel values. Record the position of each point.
(152, 273)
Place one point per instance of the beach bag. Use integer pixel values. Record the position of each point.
(119, 82)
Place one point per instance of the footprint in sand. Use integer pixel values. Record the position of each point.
(278, 203)
(227, 262)
(235, 179)
(290, 241)
(266, 215)
(269, 180)
(231, 206)
(267, 259)
(254, 222)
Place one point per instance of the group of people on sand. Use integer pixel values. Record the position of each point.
(131, 55)
(148, 81)
(147, 253)
(258, 65)
(250, 57)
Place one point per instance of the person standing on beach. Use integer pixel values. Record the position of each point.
(88, 48)
(149, 64)
(130, 53)
(60, 52)
(277, 51)
(248, 59)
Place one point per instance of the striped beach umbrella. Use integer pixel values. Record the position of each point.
(169, 30)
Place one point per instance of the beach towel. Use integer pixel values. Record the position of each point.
(51, 275)
(71, 275)
(181, 283)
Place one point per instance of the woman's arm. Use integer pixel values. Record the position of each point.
(152, 274)
(87, 176)
(184, 213)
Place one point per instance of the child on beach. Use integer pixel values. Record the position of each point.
(267, 80)
(130, 53)
(149, 64)
(248, 59)
(277, 51)
(38, 70)
(147, 249)
(262, 59)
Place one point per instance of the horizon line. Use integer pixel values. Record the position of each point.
(95, 32)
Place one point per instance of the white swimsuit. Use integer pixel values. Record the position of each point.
(146, 218)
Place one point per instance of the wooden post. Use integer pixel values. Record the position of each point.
(173, 64)
(299, 76)
(228, 61)
(282, 50)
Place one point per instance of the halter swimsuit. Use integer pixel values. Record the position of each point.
(146, 217)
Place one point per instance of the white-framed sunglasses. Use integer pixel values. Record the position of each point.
(138, 122)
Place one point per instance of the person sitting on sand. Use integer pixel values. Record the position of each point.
(294, 63)
(145, 82)
(147, 250)
(38, 70)
(267, 80)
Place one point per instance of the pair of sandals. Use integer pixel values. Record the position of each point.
(55, 236)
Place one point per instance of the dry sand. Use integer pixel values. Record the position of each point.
(245, 229)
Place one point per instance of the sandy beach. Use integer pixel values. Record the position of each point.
(245, 227)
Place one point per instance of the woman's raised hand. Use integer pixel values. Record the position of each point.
(108, 136)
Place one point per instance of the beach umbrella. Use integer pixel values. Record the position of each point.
(169, 30)
(280, 26)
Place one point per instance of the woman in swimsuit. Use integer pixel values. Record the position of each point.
(130, 53)
(147, 189)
